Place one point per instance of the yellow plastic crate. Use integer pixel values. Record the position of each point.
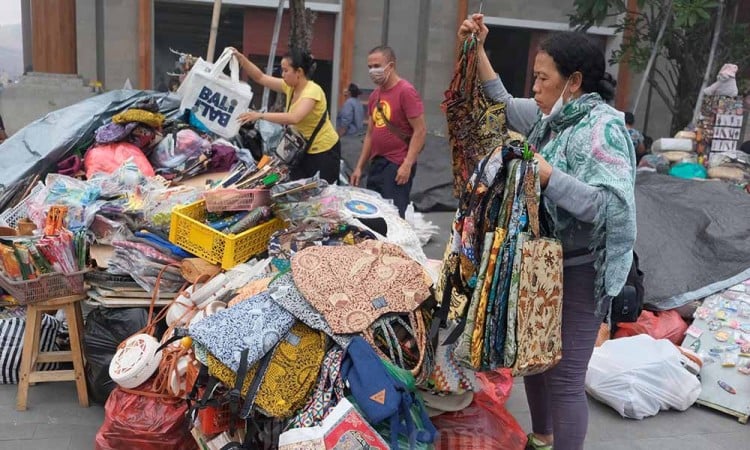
(188, 231)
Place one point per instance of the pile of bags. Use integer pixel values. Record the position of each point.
(325, 341)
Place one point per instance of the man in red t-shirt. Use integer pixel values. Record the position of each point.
(395, 133)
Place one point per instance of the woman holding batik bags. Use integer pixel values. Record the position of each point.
(587, 172)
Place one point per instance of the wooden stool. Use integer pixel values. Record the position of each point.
(32, 356)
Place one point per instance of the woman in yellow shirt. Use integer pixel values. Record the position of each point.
(306, 105)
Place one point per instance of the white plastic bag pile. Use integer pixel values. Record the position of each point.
(424, 228)
(639, 376)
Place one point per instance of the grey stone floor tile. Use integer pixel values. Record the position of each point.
(48, 430)
(20, 431)
(692, 442)
(83, 441)
(737, 440)
(10, 445)
(47, 443)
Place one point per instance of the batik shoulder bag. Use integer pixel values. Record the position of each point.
(476, 125)
(538, 335)
(403, 340)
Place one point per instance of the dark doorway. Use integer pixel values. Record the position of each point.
(185, 28)
(508, 50)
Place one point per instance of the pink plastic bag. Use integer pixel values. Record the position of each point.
(658, 325)
(109, 157)
(485, 424)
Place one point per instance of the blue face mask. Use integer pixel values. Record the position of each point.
(558, 106)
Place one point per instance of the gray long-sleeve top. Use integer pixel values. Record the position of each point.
(581, 200)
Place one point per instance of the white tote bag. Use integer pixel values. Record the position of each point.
(215, 99)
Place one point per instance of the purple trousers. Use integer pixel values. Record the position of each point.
(557, 399)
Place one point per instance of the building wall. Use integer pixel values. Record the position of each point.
(86, 38)
(437, 58)
(427, 61)
(120, 34)
(541, 10)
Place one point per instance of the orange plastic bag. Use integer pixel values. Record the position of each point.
(141, 422)
(658, 325)
(108, 158)
(485, 424)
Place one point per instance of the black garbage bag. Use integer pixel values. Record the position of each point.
(105, 329)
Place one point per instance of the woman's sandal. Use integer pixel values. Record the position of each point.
(534, 443)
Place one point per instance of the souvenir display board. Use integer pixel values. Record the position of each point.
(720, 335)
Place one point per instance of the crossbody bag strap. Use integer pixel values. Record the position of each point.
(235, 394)
(317, 127)
(252, 392)
(315, 132)
(393, 129)
(531, 185)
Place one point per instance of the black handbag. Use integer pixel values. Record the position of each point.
(293, 146)
(627, 306)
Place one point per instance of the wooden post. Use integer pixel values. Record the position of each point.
(214, 31)
(145, 33)
(53, 25)
(347, 45)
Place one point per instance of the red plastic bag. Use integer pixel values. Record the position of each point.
(108, 158)
(143, 422)
(485, 424)
(658, 325)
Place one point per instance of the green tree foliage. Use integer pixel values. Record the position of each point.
(683, 55)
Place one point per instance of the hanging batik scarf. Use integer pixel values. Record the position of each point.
(590, 142)
(462, 274)
(476, 125)
(478, 210)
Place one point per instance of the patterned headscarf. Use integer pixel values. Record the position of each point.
(589, 141)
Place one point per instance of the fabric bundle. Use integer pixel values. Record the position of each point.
(502, 279)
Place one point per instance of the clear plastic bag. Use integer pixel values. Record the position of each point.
(271, 134)
(107, 230)
(639, 376)
(80, 197)
(125, 179)
(158, 205)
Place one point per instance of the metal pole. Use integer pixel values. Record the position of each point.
(654, 52)
(386, 18)
(214, 31)
(272, 52)
(423, 31)
(648, 108)
(711, 57)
